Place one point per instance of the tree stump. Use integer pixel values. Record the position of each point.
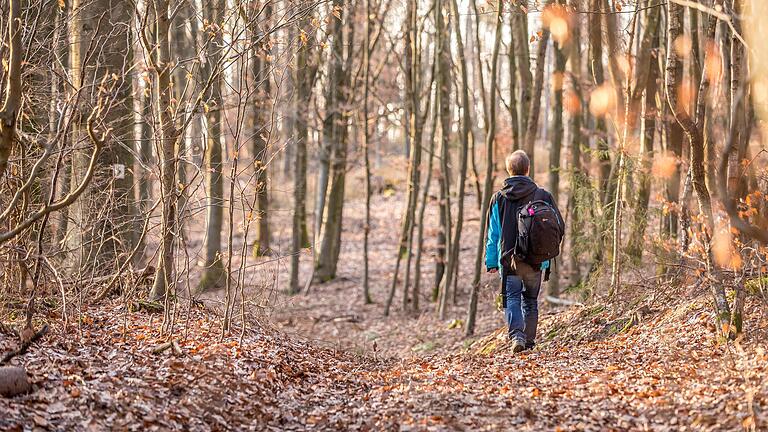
(13, 381)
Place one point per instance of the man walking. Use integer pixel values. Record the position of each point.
(522, 205)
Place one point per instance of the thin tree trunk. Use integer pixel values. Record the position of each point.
(513, 99)
(554, 153)
(440, 292)
(182, 48)
(337, 118)
(601, 130)
(577, 178)
(214, 274)
(12, 103)
(443, 74)
(304, 76)
(422, 209)
(413, 135)
(489, 141)
(169, 134)
(453, 258)
(650, 111)
(533, 119)
(261, 118)
(367, 160)
(60, 93)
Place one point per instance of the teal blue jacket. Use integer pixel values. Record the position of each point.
(502, 219)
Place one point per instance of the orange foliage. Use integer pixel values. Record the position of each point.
(724, 251)
(602, 100)
(713, 62)
(686, 94)
(571, 102)
(557, 81)
(664, 166)
(683, 46)
(558, 20)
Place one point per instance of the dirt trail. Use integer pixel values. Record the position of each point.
(591, 372)
(645, 362)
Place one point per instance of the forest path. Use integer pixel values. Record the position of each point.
(645, 362)
(591, 372)
(664, 372)
(648, 361)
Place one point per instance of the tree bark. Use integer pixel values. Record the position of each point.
(601, 130)
(532, 124)
(453, 259)
(9, 112)
(366, 158)
(523, 63)
(102, 220)
(169, 134)
(649, 114)
(260, 129)
(577, 179)
(413, 136)
(335, 124)
(304, 77)
(513, 72)
(695, 138)
(489, 149)
(214, 274)
(554, 153)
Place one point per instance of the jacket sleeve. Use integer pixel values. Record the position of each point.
(494, 234)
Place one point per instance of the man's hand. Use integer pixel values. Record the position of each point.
(493, 270)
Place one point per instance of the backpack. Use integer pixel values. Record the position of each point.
(539, 232)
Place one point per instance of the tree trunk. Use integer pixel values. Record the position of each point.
(554, 153)
(513, 71)
(366, 158)
(336, 120)
(304, 77)
(422, 209)
(649, 114)
(489, 141)
(413, 135)
(213, 276)
(102, 220)
(693, 131)
(675, 133)
(577, 181)
(60, 92)
(453, 259)
(601, 130)
(12, 103)
(523, 63)
(183, 47)
(443, 74)
(532, 124)
(169, 134)
(261, 130)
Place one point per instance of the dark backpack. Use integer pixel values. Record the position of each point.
(539, 232)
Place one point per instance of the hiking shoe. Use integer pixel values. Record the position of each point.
(518, 346)
(530, 345)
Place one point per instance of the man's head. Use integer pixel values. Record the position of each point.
(518, 163)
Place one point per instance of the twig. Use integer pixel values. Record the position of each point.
(25, 344)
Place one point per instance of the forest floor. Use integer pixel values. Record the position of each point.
(647, 360)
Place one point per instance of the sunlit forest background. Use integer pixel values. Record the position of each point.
(225, 169)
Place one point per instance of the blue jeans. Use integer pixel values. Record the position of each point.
(522, 308)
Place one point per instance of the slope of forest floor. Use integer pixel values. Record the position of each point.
(597, 368)
(325, 361)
